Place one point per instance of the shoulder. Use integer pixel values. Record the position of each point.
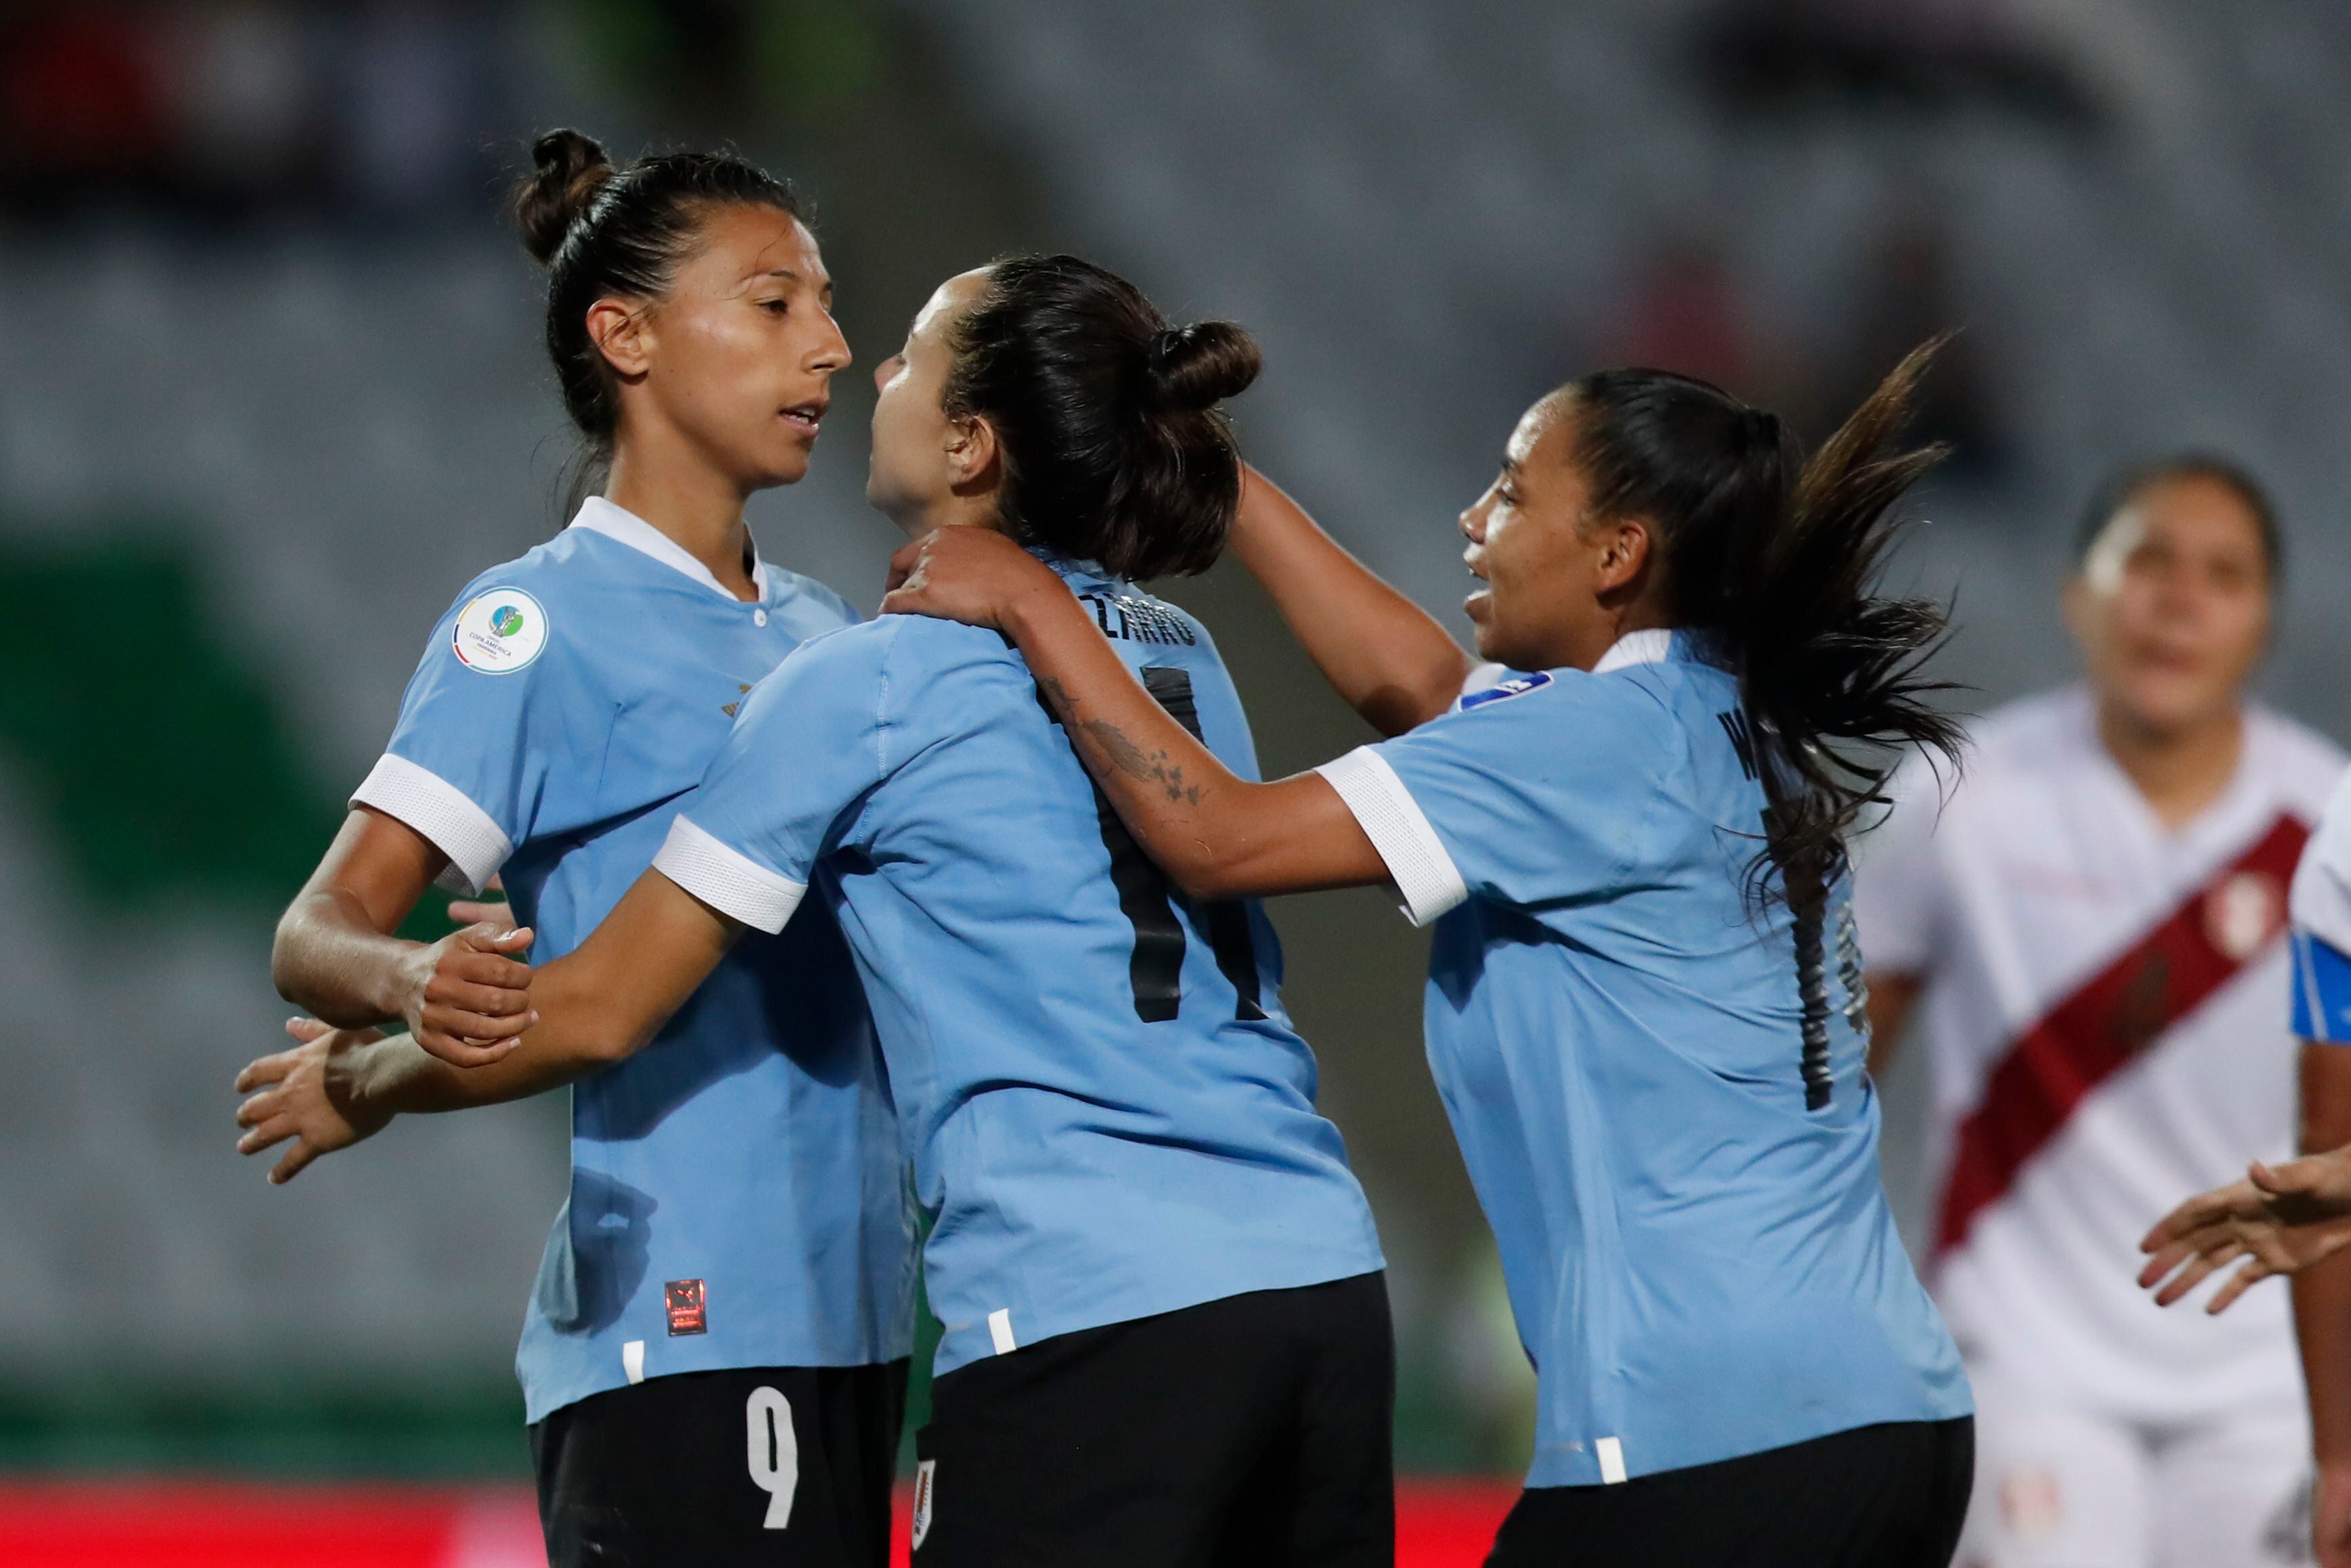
(1629, 721)
(522, 616)
(2033, 729)
(2306, 765)
(895, 663)
(820, 599)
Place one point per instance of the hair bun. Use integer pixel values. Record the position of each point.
(1199, 366)
(566, 169)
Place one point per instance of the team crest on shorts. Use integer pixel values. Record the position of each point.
(923, 1474)
(688, 1306)
(500, 631)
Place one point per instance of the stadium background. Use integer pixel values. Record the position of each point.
(274, 389)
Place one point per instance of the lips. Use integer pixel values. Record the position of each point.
(805, 416)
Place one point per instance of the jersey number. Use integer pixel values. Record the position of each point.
(1149, 901)
(775, 1453)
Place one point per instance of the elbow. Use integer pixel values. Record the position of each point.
(285, 969)
(1209, 877)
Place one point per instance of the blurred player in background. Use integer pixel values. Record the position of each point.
(2093, 927)
(733, 1258)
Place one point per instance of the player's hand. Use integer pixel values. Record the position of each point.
(2279, 1220)
(973, 575)
(466, 998)
(306, 1094)
(484, 911)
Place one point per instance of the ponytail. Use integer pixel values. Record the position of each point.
(1775, 559)
(1115, 445)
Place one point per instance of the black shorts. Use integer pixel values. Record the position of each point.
(1252, 1430)
(1889, 1496)
(784, 1465)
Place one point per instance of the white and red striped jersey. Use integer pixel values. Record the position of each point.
(2105, 1010)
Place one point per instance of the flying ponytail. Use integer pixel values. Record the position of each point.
(1775, 561)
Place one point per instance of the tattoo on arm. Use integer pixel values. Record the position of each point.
(1131, 760)
(1119, 751)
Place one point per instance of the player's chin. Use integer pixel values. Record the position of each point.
(785, 465)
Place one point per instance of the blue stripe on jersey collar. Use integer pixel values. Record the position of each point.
(598, 515)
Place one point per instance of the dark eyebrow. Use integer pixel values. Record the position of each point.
(1510, 465)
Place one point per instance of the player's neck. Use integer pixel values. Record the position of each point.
(2178, 771)
(702, 511)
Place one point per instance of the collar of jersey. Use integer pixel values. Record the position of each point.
(1654, 646)
(598, 515)
(1069, 566)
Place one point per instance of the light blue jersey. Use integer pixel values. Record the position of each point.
(1664, 1110)
(735, 1186)
(1110, 1114)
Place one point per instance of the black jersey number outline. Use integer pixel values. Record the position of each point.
(1149, 901)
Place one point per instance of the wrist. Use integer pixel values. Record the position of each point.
(374, 1085)
(1032, 604)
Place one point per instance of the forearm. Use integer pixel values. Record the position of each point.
(1219, 835)
(2322, 1292)
(1389, 658)
(394, 1076)
(330, 959)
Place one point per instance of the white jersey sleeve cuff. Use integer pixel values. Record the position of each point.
(727, 880)
(1393, 822)
(477, 846)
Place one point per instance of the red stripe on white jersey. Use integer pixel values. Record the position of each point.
(2113, 1017)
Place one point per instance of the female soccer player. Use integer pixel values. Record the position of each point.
(1644, 1009)
(1166, 1338)
(733, 1256)
(2091, 925)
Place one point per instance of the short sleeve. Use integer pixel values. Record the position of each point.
(1899, 891)
(489, 727)
(810, 743)
(2320, 905)
(1532, 798)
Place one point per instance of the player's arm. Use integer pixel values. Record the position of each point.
(2322, 1313)
(1387, 656)
(1892, 998)
(598, 1005)
(1216, 834)
(464, 997)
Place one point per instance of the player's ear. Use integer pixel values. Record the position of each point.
(622, 334)
(1624, 552)
(975, 458)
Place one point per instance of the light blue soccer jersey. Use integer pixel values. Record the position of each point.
(2320, 907)
(1664, 1110)
(1110, 1114)
(736, 1187)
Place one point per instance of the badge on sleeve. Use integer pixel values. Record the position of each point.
(1516, 686)
(500, 631)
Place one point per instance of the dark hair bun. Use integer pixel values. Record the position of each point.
(567, 170)
(1199, 366)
